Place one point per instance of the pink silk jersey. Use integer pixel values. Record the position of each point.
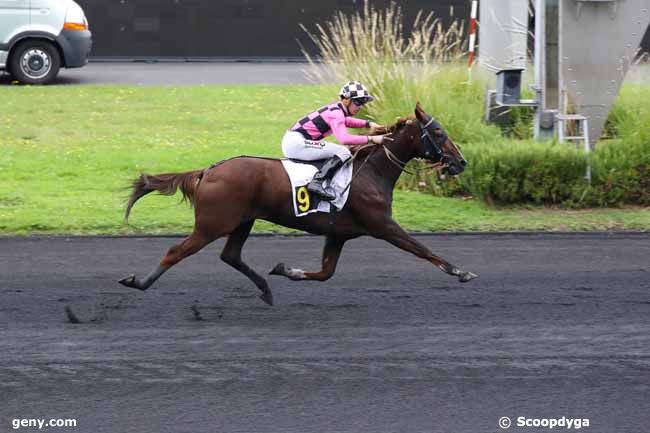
(332, 118)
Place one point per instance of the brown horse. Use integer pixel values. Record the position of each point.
(231, 195)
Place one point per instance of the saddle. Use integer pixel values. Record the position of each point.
(318, 163)
(301, 173)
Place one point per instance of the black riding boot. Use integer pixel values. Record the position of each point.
(325, 173)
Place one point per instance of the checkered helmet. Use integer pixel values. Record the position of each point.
(356, 90)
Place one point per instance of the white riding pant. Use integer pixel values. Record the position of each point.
(295, 146)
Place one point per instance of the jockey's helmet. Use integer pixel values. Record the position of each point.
(357, 92)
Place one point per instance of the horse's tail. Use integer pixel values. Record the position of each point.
(165, 184)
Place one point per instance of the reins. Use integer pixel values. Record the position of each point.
(351, 161)
(392, 158)
(402, 165)
(395, 160)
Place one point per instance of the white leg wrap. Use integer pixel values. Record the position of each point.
(296, 273)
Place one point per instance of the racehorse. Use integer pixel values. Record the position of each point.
(229, 196)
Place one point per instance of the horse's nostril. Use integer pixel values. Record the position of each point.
(463, 162)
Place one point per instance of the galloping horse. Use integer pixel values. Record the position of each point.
(231, 195)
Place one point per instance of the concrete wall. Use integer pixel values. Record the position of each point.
(223, 28)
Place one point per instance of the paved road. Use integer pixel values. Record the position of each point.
(556, 325)
(197, 73)
(183, 73)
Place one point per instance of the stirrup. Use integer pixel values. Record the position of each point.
(317, 188)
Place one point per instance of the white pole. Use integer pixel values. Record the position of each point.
(472, 33)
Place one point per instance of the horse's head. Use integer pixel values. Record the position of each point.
(435, 145)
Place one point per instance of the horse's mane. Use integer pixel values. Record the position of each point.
(401, 123)
(397, 126)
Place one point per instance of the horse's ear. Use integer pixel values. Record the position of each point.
(419, 113)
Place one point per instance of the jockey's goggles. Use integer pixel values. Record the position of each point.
(359, 102)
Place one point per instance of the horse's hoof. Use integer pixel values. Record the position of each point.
(278, 270)
(130, 281)
(267, 297)
(464, 277)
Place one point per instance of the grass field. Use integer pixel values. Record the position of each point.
(67, 154)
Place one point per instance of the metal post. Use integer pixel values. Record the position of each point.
(540, 62)
(585, 134)
(551, 55)
(544, 127)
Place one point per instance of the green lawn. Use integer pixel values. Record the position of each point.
(67, 153)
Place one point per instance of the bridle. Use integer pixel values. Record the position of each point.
(432, 145)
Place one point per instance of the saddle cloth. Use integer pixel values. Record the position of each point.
(304, 202)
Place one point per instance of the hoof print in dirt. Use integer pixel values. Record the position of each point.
(71, 316)
(196, 312)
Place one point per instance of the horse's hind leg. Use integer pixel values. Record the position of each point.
(331, 253)
(189, 246)
(231, 254)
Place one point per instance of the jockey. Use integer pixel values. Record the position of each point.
(305, 139)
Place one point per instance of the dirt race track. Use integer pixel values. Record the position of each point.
(555, 326)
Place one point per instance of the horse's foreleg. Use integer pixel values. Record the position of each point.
(231, 254)
(394, 234)
(331, 253)
(178, 252)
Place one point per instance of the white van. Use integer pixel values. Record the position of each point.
(37, 37)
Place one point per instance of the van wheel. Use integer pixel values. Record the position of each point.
(35, 62)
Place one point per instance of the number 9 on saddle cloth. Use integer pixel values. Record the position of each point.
(301, 173)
